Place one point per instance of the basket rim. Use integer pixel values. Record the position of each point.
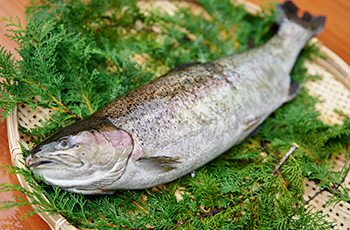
(332, 63)
(55, 221)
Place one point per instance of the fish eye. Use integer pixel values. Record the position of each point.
(63, 144)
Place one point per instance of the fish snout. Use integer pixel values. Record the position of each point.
(28, 160)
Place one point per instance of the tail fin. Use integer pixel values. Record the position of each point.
(308, 21)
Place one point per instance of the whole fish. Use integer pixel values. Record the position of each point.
(171, 126)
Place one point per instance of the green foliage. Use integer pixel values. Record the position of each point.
(79, 55)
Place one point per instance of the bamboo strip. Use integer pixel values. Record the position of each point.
(56, 221)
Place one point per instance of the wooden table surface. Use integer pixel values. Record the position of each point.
(335, 36)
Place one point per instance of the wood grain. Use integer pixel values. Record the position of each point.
(335, 36)
(11, 219)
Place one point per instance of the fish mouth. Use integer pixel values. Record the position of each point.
(36, 162)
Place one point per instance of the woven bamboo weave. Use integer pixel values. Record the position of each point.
(333, 90)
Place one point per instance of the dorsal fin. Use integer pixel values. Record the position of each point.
(183, 65)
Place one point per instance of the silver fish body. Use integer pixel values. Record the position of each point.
(179, 122)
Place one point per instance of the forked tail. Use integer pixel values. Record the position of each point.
(310, 22)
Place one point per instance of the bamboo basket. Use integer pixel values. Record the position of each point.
(333, 90)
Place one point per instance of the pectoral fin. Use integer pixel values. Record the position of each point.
(90, 191)
(159, 164)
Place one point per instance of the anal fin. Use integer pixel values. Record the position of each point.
(294, 89)
(250, 43)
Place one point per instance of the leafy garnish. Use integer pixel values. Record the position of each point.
(79, 55)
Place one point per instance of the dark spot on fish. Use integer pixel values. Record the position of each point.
(226, 79)
(83, 154)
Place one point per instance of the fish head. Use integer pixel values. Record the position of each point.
(83, 157)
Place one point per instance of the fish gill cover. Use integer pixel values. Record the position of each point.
(79, 55)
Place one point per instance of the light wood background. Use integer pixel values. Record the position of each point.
(335, 36)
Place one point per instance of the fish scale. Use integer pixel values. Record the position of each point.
(174, 124)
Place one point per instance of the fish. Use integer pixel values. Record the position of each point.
(172, 125)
